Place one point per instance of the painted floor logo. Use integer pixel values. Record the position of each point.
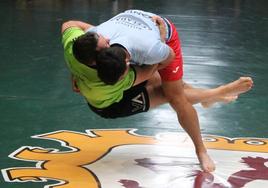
(121, 158)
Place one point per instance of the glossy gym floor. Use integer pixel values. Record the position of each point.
(49, 138)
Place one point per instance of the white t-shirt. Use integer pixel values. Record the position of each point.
(135, 30)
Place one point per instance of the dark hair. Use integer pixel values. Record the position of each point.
(84, 48)
(111, 64)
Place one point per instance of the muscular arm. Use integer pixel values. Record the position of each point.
(161, 25)
(168, 60)
(162, 28)
(72, 23)
(144, 73)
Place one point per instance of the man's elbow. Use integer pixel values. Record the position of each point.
(171, 56)
(66, 25)
(168, 60)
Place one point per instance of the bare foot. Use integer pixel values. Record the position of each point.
(230, 92)
(235, 88)
(206, 162)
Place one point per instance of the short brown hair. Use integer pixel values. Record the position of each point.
(111, 64)
(84, 48)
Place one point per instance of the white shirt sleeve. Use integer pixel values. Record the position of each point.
(158, 53)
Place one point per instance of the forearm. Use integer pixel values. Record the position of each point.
(73, 23)
(144, 73)
(162, 27)
(168, 60)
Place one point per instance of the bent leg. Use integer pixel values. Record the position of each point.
(188, 119)
(207, 97)
(225, 93)
(155, 91)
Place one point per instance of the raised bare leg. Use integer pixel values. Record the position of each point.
(225, 93)
(231, 91)
(207, 97)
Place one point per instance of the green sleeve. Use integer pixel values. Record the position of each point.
(68, 36)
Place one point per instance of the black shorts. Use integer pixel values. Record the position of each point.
(135, 100)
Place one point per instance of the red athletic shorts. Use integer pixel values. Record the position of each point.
(174, 70)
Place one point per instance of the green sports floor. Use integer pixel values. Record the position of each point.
(41, 117)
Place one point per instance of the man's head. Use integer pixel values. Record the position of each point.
(86, 47)
(111, 64)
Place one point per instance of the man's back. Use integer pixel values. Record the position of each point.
(136, 31)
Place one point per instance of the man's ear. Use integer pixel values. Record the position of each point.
(127, 60)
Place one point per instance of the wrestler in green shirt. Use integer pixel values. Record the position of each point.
(97, 93)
